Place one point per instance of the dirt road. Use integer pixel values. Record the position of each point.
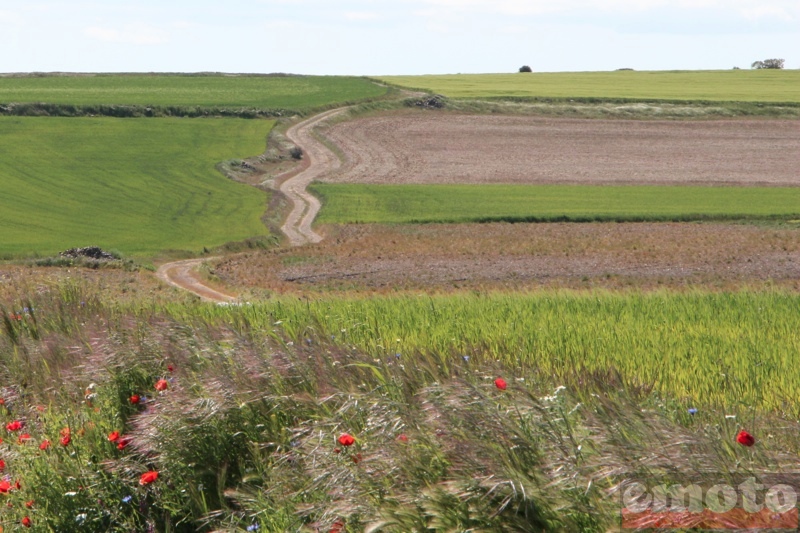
(321, 161)
(181, 274)
(297, 227)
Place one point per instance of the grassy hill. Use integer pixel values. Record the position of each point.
(135, 185)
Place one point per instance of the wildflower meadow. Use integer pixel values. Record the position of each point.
(292, 415)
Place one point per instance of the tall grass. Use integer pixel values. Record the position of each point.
(724, 349)
(246, 433)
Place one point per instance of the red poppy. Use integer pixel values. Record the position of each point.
(171, 368)
(134, 399)
(17, 485)
(16, 425)
(65, 432)
(2, 401)
(403, 437)
(25, 437)
(113, 436)
(26, 522)
(2, 465)
(745, 439)
(5, 487)
(161, 385)
(337, 527)
(500, 383)
(65, 440)
(44, 445)
(148, 477)
(346, 439)
(123, 442)
(29, 504)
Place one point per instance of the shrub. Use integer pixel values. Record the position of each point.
(769, 63)
(525, 68)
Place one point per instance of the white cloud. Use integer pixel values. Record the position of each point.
(129, 35)
(789, 9)
(362, 15)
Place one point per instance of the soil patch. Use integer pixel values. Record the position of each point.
(376, 258)
(432, 147)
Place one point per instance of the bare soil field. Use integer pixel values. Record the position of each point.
(441, 257)
(435, 147)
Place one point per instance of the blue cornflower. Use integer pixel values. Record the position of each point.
(692, 411)
(253, 527)
(127, 499)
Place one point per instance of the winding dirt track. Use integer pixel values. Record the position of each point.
(297, 227)
(180, 274)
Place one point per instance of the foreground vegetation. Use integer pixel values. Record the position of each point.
(286, 94)
(313, 416)
(139, 186)
(711, 86)
(364, 203)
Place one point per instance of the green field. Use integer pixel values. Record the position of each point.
(135, 185)
(723, 85)
(365, 203)
(727, 349)
(270, 92)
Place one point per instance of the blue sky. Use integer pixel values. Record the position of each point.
(375, 37)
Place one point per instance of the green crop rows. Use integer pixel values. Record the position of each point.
(136, 185)
(345, 203)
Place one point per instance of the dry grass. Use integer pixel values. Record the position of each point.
(442, 257)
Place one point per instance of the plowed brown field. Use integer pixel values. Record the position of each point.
(429, 147)
(518, 256)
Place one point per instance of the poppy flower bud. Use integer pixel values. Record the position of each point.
(745, 439)
(500, 383)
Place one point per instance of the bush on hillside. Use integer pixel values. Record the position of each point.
(769, 63)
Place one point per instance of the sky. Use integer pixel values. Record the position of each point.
(377, 37)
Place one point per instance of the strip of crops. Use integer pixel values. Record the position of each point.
(723, 85)
(263, 92)
(138, 186)
(346, 203)
(733, 350)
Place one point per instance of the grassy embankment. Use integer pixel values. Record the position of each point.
(245, 431)
(361, 203)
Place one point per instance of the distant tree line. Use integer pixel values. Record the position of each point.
(768, 63)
